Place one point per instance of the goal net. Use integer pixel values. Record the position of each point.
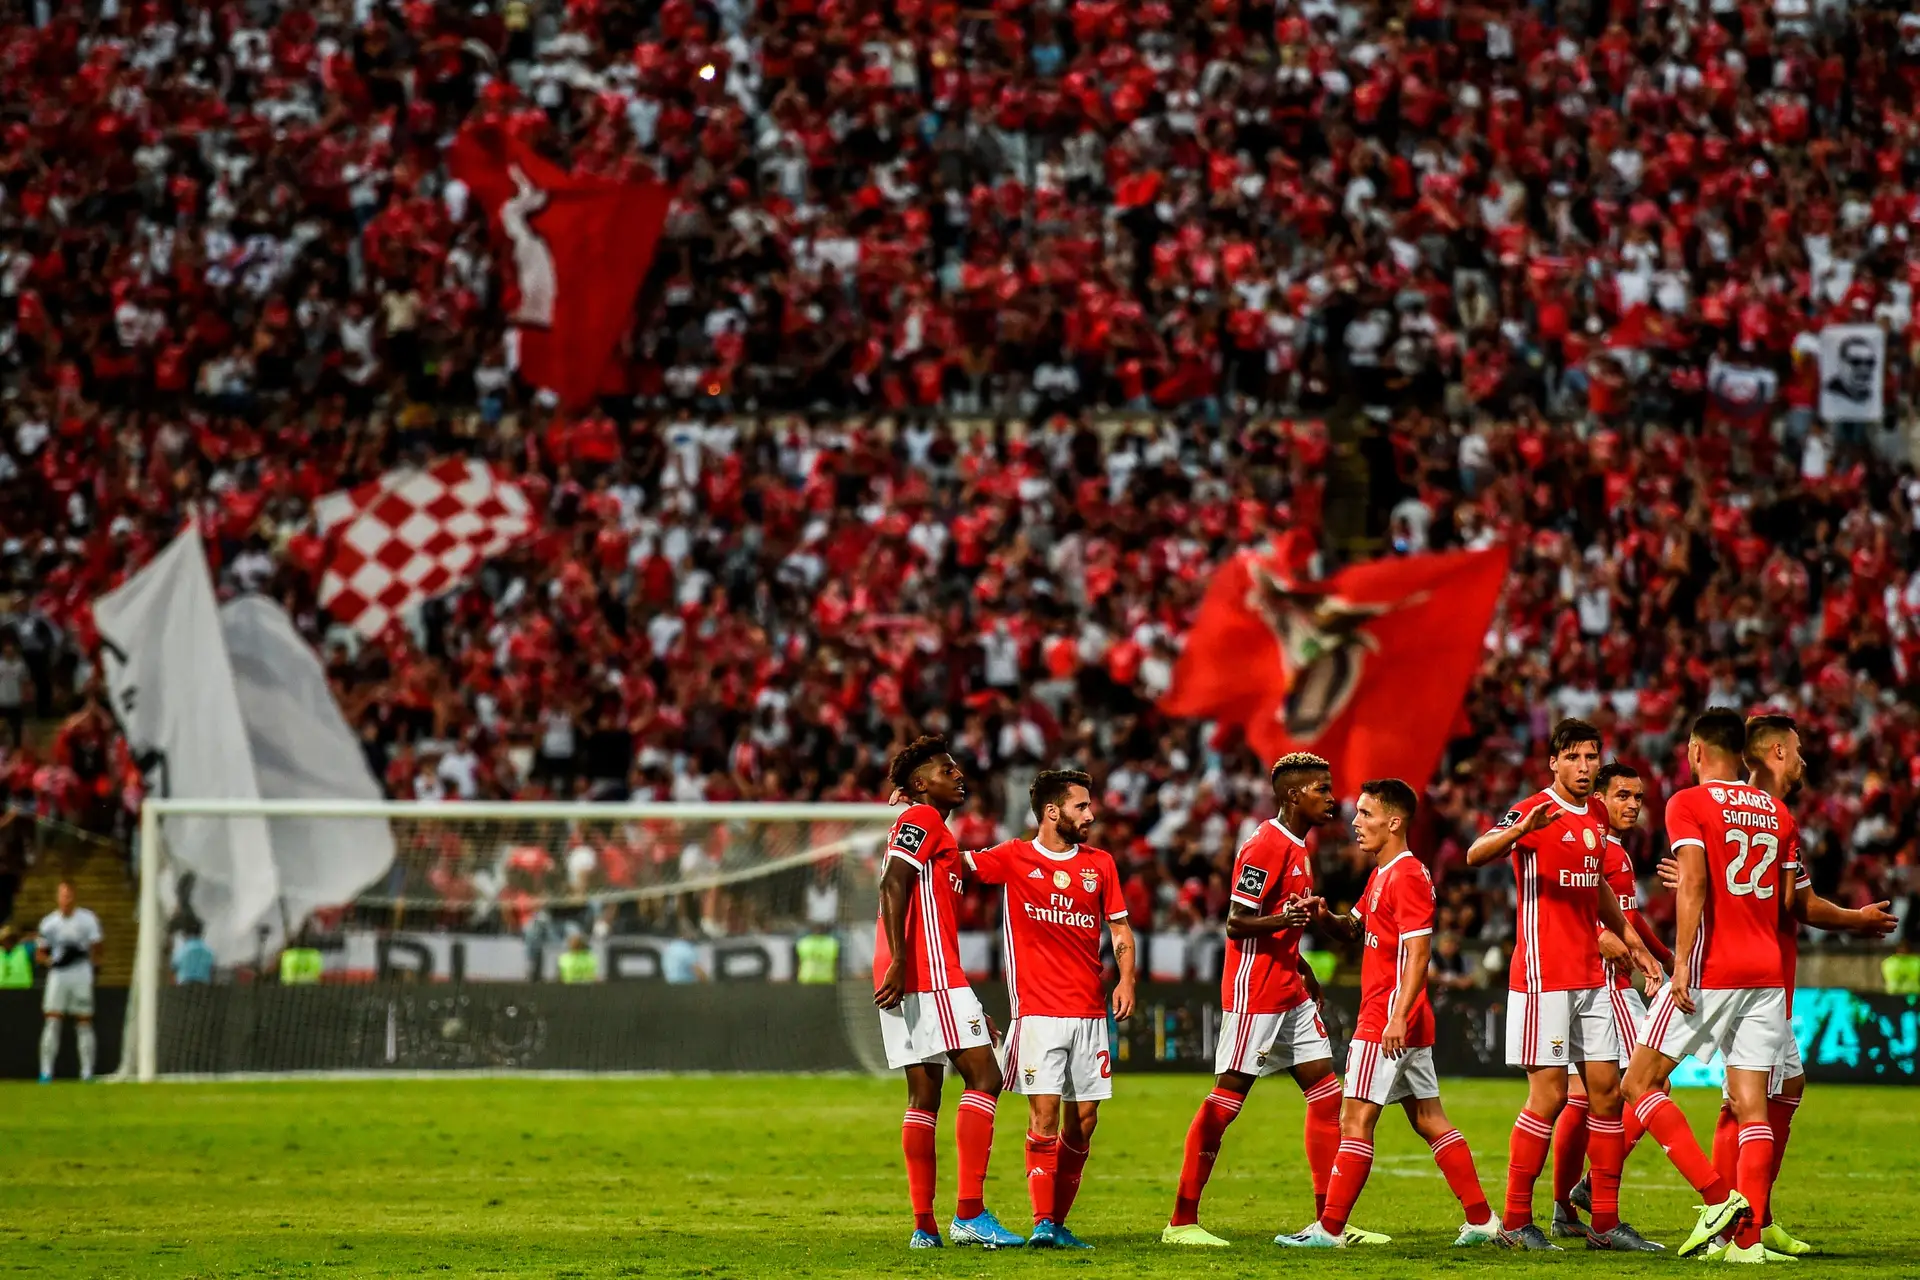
(508, 937)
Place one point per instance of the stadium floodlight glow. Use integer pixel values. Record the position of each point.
(481, 901)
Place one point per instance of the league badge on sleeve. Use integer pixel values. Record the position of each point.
(1253, 882)
(908, 838)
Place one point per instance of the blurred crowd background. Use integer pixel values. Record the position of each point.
(976, 337)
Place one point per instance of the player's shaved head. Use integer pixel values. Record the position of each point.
(1765, 730)
(918, 753)
(1295, 769)
(1721, 729)
(1053, 786)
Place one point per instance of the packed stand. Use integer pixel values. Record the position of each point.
(1512, 244)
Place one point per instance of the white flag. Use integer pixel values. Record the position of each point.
(172, 688)
(303, 749)
(1853, 373)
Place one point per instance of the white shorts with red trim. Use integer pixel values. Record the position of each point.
(1374, 1077)
(1058, 1057)
(1259, 1044)
(1629, 1014)
(926, 1026)
(1746, 1025)
(1555, 1028)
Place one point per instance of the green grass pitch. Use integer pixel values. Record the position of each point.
(800, 1176)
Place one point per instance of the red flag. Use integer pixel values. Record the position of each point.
(575, 252)
(1367, 668)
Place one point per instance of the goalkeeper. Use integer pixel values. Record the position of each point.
(69, 939)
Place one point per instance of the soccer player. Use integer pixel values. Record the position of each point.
(1559, 1006)
(928, 1013)
(1391, 1056)
(1736, 848)
(1057, 894)
(1270, 998)
(1623, 795)
(70, 938)
(1773, 757)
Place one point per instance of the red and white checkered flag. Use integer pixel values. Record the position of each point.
(412, 535)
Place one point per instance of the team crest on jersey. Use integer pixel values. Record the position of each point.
(1089, 879)
(1719, 794)
(908, 838)
(1061, 879)
(1592, 842)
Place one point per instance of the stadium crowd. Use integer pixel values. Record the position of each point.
(976, 337)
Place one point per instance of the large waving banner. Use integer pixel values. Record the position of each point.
(1367, 668)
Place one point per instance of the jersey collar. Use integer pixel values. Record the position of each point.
(1045, 852)
(1282, 828)
(1404, 853)
(1614, 840)
(1567, 804)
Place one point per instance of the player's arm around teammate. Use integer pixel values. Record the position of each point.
(1057, 896)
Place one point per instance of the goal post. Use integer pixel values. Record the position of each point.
(505, 936)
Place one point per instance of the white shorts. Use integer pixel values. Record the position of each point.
(1629, 1013)
(68, 994)
(1748, 1026)
(1555, 1028)
(1058, 1057)
(1374, 1077)
(1259, 1044)
(1784, 1070)
(926, 1026)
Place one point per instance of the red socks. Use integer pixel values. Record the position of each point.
(1351, 1165)
(1635, 1129)
(1668, 1125)
(1066, 1181)
(1569, 1148)
(1780, 1118)
(1526, 1157)
(1609, 1142)
(916, 1140)
(1754, 1179)
(1456, 1165)
(1322, 1136)
(1726, 1143)
(1043, 1164)
(1203, 1147)
(973, 1141)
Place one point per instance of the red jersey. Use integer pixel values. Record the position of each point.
(920, 838)
(1752, 850)
(1262, 975)
(1617, 869)
(1396, 908)
(1054, 908)
(1557, 916)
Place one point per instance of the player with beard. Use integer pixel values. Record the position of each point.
(1058, 895)
(1270, 998)
(1559, 1005)
(1777, 767)
(929, 1016)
